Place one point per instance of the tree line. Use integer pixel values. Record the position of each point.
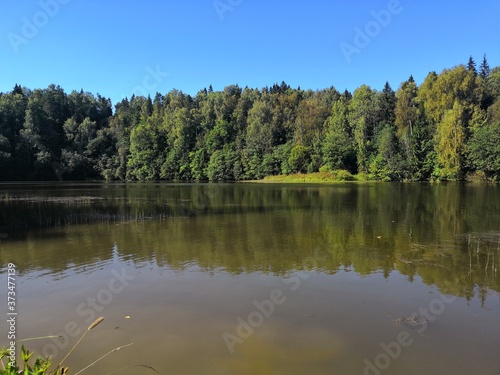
(448, 128)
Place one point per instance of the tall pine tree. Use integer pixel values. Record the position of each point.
(471, 65)
(485, 68)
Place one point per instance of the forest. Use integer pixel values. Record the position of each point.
(448, 128)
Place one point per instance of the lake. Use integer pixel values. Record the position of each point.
(372, 278)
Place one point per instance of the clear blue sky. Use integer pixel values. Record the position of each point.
(110, 47)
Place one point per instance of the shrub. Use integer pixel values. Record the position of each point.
(343, 175)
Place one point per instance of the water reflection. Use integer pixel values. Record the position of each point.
(446, 234)
(348, 258)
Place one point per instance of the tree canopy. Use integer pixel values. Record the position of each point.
(444, 129)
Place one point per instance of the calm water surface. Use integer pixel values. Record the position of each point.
(258, 279)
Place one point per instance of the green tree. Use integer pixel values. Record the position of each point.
(363, 111)
(471, 66)
(12, 113)
(338, 146)
(385, 165)
(484, 68)
(493, 83)
(387, 104)
(180, 139)
(224, 165)
(483, 150)
(198, 164)
(259, 138)
(408, 114)
(494, 112)
(299, 159)
(146, 152)
(259, 135)
(37, 138)
(76, 158)
(450, 143)
(120, 126)
(311, 116)
(416, 133)
(452, 103)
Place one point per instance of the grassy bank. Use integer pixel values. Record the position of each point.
(336, 176)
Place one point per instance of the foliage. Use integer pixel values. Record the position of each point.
(40, 367)
(323, 175)
(417, 133)
(300, 157)
(363, 112)
(484, 150)
(338, 147)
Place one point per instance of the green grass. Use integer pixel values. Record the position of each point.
(318, 177)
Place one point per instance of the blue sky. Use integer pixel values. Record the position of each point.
(116, 48)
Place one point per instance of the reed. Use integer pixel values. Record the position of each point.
(41, 366)
(94, 324)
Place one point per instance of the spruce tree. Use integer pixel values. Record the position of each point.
(17, 90)
(485, 68)
(471, 65)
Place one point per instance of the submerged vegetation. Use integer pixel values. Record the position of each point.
(448, 128)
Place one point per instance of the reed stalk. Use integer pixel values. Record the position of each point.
(94, 324)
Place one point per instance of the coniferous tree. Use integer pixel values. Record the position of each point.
(17, 90)
(471, 65)
(485, 68)
(387, 104)
(445, 129)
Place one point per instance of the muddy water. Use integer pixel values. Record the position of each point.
(257, 279)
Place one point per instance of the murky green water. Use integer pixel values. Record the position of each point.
(257, 279)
